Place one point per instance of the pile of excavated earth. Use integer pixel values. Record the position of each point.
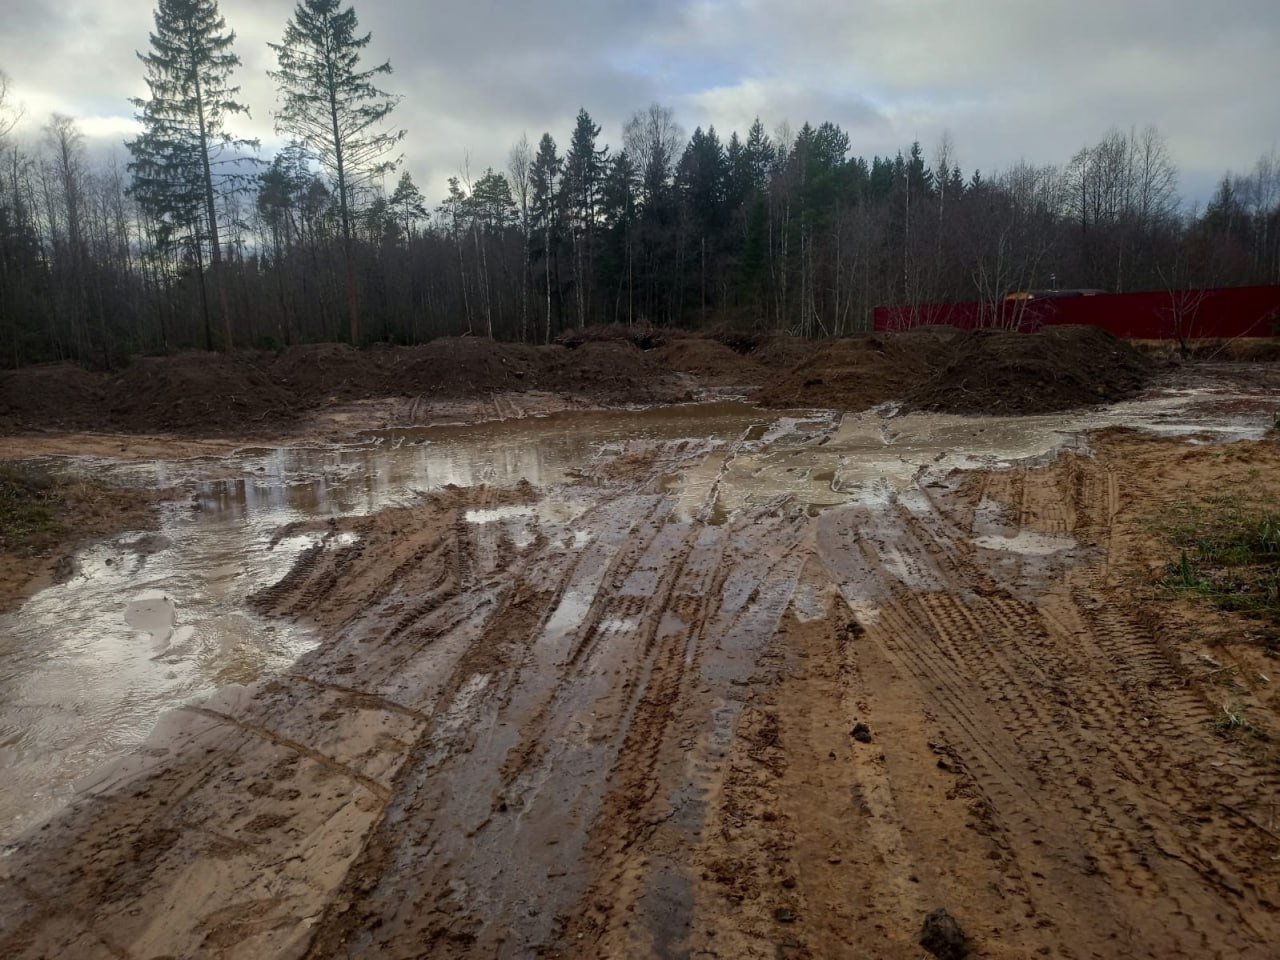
(251, 392)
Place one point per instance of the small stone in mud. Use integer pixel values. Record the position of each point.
(783, 915)
(861, 732)
(942, 936)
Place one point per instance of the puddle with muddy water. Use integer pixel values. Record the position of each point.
(149, 621)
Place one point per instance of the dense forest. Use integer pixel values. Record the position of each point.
(194, 239)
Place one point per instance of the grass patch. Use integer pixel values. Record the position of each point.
(1229, 554)
(1233, 721)
(31, 499)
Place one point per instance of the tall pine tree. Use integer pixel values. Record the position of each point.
(184, 157)
(584, 168)
(334, 109)
(544, 176)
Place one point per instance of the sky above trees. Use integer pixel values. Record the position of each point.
(1008, 79)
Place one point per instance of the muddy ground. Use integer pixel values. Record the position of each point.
(608, 718)
(45, 516)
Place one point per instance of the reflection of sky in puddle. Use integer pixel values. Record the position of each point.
(384, 468)
(522, 522)
(874, 456)
(86, 666)
(147, 622)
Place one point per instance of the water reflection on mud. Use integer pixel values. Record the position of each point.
(148, 621)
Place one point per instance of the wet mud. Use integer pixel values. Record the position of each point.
(705, 682)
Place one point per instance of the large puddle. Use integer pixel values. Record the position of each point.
(149, 621)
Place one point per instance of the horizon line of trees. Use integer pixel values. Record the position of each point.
(197, 242)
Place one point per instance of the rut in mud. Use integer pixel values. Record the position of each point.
(589, 723)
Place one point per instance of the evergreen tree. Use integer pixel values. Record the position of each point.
(335, 110)
(545, 176)
(408, 205)
(583, 172)
(759, 156)
(882, 176)
(919, 177)
(618, 209)
(493, 202)
(702, 178)
(737, 178)
(180, 160)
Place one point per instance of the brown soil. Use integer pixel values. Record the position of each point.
(632, 735)
(211, 395)
(938, 368)
(618, 372)
(713, 363)
(322, 372)
(1012, 373)
(858, 372)
(641, 335)
(59, 395)
(200, 393)
(74, 512)
(780, 352)
(468, 366)
(208, 394)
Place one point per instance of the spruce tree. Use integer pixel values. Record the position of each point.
(184, 158)
(584, 168)
(618, 207)
(334, 109)
(544, 175)
(408, 205)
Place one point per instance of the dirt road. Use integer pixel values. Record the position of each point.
(605, 719)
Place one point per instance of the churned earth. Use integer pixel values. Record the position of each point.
(710, 680)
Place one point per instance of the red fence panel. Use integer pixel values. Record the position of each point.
(1222, 312)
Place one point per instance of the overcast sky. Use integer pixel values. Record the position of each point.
(1009, 79)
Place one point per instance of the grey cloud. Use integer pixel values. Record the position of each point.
(1007, 78)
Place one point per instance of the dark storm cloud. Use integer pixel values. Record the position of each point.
(1007, 78)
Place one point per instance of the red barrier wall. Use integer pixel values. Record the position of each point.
(1221, 312)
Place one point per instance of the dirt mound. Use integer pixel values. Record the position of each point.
(710, 361)
(857, 373)
(196, 392)
(1058, 368)
(641, 335)
(616, 372)
(58, 394)
(466, 366)
(316, 372)
(782, 352)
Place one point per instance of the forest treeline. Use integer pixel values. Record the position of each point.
(194, 240)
